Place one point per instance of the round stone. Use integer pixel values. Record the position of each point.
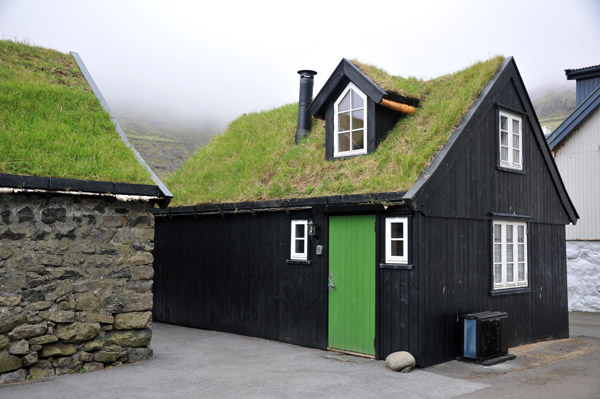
(399, 361)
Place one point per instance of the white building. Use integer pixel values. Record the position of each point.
(576, 148)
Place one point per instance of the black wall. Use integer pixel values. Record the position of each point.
(230, 274)
(456, 208)
(455, 274)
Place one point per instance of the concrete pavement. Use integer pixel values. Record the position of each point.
(190, 363)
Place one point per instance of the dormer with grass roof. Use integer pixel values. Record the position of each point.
(358, 111)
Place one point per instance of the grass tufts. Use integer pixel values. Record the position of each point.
(256, 158)
(51, 124)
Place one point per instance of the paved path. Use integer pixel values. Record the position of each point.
(190, 363)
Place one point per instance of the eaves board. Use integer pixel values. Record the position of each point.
(54, 184)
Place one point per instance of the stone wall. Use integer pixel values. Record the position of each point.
(75, 284)
(583, 275)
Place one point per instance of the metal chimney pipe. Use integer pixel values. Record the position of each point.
(306, 93)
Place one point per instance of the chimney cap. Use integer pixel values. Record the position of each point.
(307, 73)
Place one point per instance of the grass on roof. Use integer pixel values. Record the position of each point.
(256, 158)
(51, 124)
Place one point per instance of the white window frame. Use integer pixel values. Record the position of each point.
(304, 254)
(515, 141)
(502, 263)
(336, 152)
(389, 258)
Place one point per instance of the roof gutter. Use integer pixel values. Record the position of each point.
(166, 194)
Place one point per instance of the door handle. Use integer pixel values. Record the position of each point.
(330, 284)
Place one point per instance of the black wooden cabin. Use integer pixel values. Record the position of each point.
(479, 230)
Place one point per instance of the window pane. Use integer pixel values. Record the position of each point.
(509, 273)
(509, 253)
(300, 246)
(516, 158)
(497, 233)
(344, 121)
(515, 141)
(504, 138)
(345, 103)
(503, 123)
(504, 154)
(344, 142)
(497, 253)
(357, 101)
(398, 248)
(397, 230)
(509, 233)
(521, 233)
(357, 140)
(521, 271)
(497, 273)
(358, 119)
(521, 255)
(299, 231)
(515, 126)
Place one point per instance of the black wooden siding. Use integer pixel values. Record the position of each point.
(469, 183)
(455, 275)
(230, 274)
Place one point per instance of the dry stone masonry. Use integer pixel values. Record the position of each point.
(75, 284)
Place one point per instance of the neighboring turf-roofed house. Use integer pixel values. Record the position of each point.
(76, 223)
(576, 148)
(409, 204)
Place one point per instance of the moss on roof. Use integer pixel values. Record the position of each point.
(52, 125)
(256, 158)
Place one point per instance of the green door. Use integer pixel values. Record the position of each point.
(352, 283)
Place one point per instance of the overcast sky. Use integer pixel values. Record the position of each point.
(214, 60)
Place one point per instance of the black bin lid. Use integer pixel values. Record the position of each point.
(488, 315)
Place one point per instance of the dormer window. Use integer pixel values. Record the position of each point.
(350, 123)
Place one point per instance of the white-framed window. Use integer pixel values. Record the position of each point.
(511, 140)
(350, 123)
(510, 254)
(299, 244)
(396, 240)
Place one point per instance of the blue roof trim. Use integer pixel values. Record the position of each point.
(575, 119)
(167, 194)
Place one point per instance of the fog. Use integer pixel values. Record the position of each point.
(205, 63)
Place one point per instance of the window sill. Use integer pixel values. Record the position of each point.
(395, 266)
(510, 291)
(507, 169)
(297, 262)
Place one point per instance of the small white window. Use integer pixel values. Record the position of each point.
(396, 240)
(299, 244)
(510, 255)
(350, 123)
(511, 138)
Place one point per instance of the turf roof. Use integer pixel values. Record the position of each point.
(256, 159)
(52, 125)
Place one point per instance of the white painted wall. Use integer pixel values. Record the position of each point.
(578, 161)
(583, 271)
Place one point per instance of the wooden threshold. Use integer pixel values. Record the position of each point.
(351, 353)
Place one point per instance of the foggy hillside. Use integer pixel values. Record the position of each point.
(553, 105)
(163, 141)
